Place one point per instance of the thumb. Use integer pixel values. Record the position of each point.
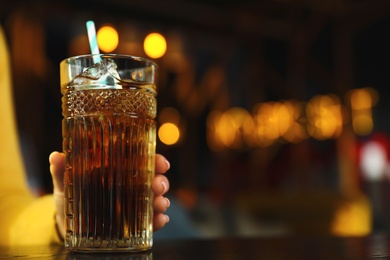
(57, 168)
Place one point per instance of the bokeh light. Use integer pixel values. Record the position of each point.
(272, 121)
(324, 114)
(107, 38)
(169, 133)
(296, 131)
(155, 45)
(230, 129)
(362, 100)
(322, 117)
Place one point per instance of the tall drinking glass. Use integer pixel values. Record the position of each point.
(109, 138)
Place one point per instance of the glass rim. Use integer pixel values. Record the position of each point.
(108, 55)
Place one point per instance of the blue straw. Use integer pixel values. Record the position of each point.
(92, 40)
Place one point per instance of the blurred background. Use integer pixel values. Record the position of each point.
(272, 113)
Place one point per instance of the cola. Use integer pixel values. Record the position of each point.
(109, 141)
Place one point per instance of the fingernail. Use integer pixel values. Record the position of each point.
(166, 218)
(167, 164)
(168, 202)
(164, 187)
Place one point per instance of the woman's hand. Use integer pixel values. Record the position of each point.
(160, 185)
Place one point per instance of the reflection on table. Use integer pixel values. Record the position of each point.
(286, 247)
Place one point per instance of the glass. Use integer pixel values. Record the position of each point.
(109, 138)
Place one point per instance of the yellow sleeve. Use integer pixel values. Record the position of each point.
(23, 217)
(35, 224)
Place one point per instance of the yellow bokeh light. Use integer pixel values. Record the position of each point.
(155, 45)
(169, 133)
(362, 123)
(273, 120)
(107, 38)
(352, 218)
(324, 117)
(296, 132)
(232, 129)
(362, 100)
(226, 130)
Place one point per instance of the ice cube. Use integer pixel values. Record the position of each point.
(101, 75)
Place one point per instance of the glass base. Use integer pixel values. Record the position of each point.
(89, 250)
(109, 246)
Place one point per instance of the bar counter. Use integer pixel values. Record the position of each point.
(289, 247)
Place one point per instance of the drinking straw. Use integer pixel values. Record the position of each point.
(92, 40)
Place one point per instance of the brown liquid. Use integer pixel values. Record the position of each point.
(109, 141)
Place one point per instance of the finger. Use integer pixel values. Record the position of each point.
(160, 185)
(162, 164)
(159, 221)
(161, 204)
(57, 168)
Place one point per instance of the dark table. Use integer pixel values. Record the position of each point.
(291, 247)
